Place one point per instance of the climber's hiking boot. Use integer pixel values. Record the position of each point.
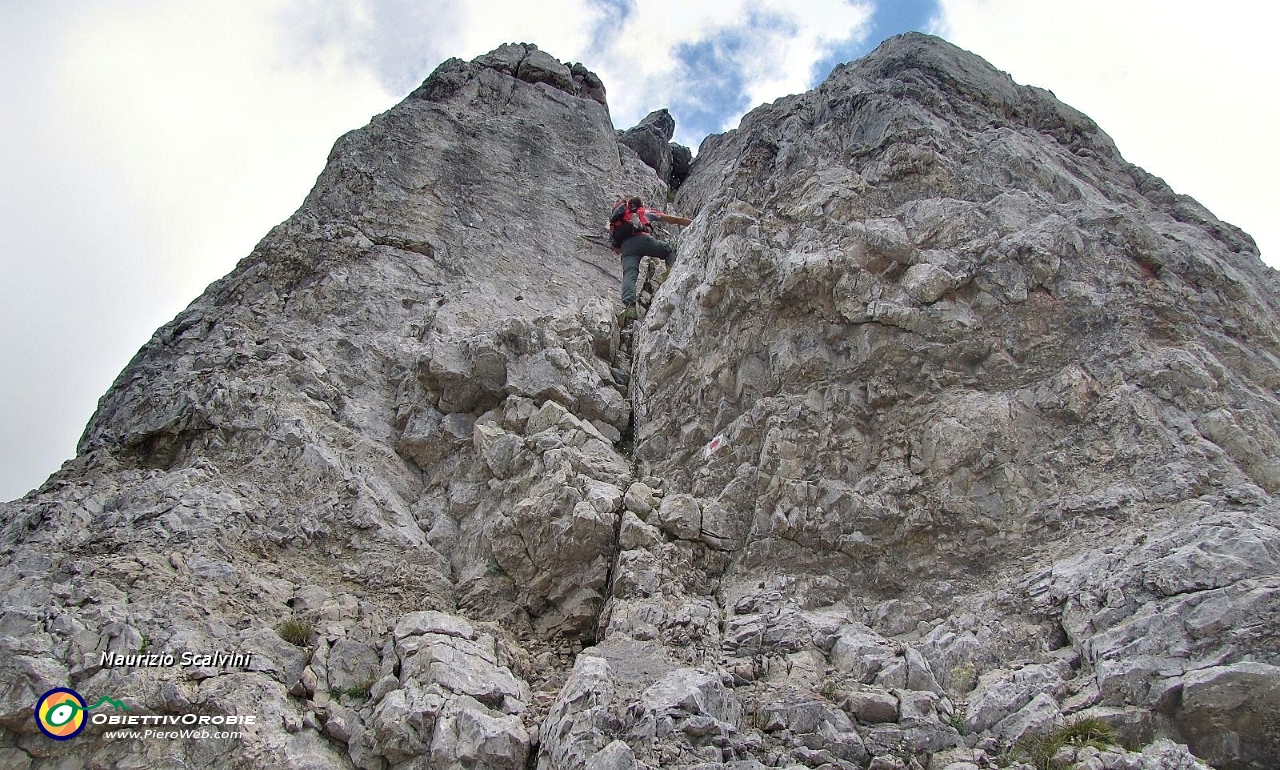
(629, 315)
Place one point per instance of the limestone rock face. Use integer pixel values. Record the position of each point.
(949, 426)
(395, 405)
(650, 139)
(938, 331)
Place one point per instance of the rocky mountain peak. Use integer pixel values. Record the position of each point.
(522, 61)
(651, 141)
(949, 427)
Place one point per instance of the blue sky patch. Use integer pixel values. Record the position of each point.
(716, 74)
(892, 17)
(619, 13)
(714, 86)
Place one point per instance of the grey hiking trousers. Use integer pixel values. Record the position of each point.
(633, 250)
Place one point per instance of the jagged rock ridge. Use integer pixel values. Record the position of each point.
(651, 140)
(949, 425)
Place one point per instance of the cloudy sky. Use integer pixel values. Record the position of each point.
(148, 144)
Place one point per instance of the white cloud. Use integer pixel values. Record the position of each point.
(193, 114)
(148, 146)
(781, 44)
(634, 52)
(402, 40)
(1185, 90)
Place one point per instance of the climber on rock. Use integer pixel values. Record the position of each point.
(629, 232)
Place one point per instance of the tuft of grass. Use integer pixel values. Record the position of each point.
(296, 632)
(355, 692)
(1086, 731)
(963, 679)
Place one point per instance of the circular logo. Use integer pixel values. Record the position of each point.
(60, 713)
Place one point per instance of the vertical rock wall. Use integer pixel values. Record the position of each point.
(398, 410)
(964, 424)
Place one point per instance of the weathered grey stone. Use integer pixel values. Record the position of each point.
(861, 653)
(943, 397)
(952, 758)
(501, 451)
(1003, 693)
(272, 655)
(403, 722)
(916, 707)
(1131, 680)
(1227, 714)
(340, 721)
(430, 436)
(362, 750)
(431, 622)
(681, 164)
(651, 141)
(616, 756)
(460, 668)
(927, 283)
(871, 706)
(573, 731)
(604, 497)
(681, 516)
(469, 735)
(527, 63)
(640, 500)
(1134, 726)
(1035, 718)
(919, 673)
(1167, 754)
(352, 666)
(692, 692)
(637, 534)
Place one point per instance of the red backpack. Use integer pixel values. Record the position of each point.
(626, 221)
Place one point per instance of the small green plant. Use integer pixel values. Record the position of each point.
(358, 691)
(963, 679)
(904, 752)
(1086, 731)
(1089, 731)
(495, 569)
(296, 632)
(956, 720)
(829, 690)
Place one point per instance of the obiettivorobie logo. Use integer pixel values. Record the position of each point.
(60, 713)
